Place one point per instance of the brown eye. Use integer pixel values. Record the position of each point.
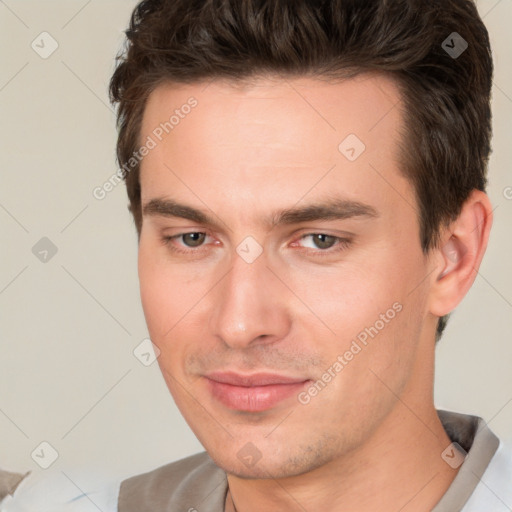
(324, 241)
(193, 239)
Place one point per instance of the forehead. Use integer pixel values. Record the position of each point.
(293, 107)
(271, 137)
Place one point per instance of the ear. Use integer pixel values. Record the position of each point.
(460, 252)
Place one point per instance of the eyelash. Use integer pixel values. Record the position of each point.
(340, 245)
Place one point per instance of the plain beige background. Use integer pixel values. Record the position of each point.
(69, 326)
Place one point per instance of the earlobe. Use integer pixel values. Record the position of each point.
(460, 254)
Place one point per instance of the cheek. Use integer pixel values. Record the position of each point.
(159, 280)
(369, 310)
(346, 299)
(151, 292)
(171, 300)
(371, 365)
(159, 291)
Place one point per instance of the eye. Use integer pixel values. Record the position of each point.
(320, 240)
(322, 243)
(185, 242)
(193, 239)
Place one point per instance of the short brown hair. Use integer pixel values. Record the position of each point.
(446, 93)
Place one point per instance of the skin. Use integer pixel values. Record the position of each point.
(371, 438)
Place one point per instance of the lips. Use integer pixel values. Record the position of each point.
(252, 393)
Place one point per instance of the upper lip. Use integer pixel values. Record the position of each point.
(255, 379)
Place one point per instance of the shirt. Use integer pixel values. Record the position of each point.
(195, 484)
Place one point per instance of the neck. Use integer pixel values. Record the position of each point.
(398, 468)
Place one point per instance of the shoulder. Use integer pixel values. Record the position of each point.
(191, 483)
(494, 491)
(78, 490)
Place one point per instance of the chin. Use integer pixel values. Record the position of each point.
(249, 463)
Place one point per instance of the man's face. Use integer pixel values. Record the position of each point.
(292, 312)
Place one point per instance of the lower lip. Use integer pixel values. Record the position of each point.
(255, 398)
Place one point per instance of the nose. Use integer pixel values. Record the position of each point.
(250, 305)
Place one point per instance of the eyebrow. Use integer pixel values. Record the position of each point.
(329, 209)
